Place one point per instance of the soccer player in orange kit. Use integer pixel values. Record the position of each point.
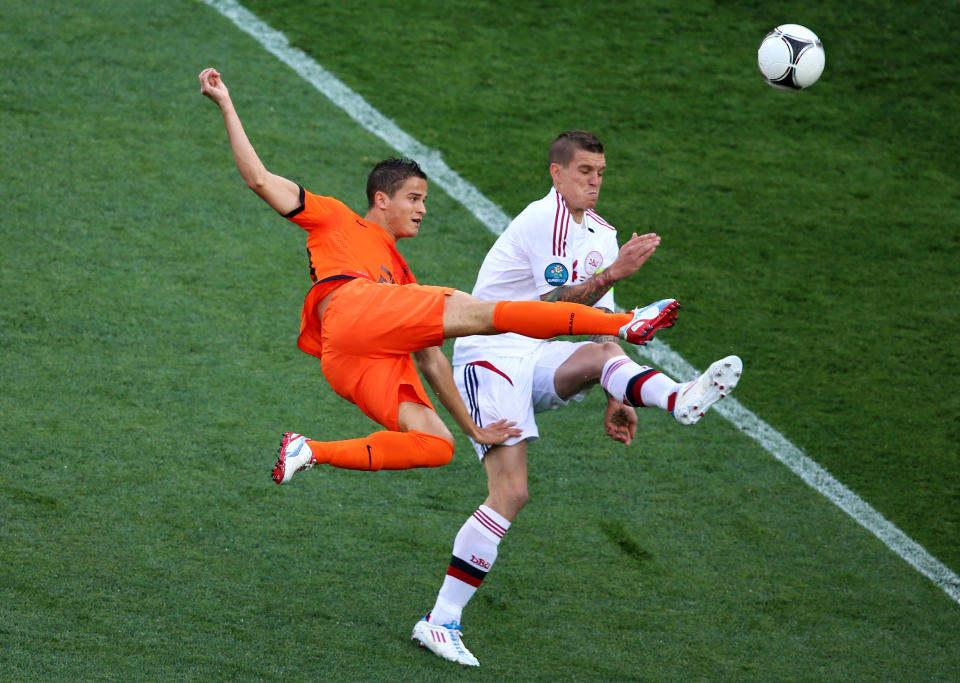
(367, 319)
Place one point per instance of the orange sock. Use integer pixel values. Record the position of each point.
(384, 450)
(546, 319)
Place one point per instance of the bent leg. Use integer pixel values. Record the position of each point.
(384, 450)
(417, 417)
(423, 440)
(583, 368)
(640, 386)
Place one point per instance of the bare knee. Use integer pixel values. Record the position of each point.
(416, 417)
(608, 350)
(583, 369)
(507, 479)
(518, 496)
(508, 492)
(464, 315)
(508, 500)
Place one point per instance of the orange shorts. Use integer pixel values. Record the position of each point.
(367, 335)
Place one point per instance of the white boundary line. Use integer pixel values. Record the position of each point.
(656, 352)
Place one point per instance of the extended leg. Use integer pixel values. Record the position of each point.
(465, 315)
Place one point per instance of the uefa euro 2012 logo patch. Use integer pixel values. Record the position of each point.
(556, 274)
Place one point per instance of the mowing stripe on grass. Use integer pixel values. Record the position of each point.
(656, 353)
(357, 108)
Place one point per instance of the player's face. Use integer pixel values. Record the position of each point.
(579, 181)
(405, 209)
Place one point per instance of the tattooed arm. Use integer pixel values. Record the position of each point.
(633, 254)
(587, 292)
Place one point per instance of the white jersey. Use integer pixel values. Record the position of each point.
(542, 249)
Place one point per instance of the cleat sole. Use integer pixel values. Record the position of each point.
(712, 386)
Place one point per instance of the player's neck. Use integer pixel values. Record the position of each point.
(575, 214)
(380, 219)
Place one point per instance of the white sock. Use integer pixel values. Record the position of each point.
(637, 385)
(474, 552)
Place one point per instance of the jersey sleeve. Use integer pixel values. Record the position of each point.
(541, 239)
(315, 211)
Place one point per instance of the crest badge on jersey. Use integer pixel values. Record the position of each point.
(593, 262)
(556, 274)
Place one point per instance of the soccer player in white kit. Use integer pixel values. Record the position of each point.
(559, 249)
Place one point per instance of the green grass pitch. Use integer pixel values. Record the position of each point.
(148, 360)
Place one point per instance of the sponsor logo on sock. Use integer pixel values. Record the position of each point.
(480, 562)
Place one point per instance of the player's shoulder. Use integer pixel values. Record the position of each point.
(599, 220)
(315, 209)
(324, 203)
(537, 212)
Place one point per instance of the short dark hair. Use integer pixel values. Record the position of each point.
(566, 145)
(388, 175)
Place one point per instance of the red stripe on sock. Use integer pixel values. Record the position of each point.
(463, 576)
(635, 387)
(489, 523)
(613, 368)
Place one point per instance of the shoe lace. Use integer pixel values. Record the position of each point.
(456, 632)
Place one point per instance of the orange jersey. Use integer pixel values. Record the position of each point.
(341, 243)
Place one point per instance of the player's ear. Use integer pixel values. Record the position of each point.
(555, 171)
(380, 199)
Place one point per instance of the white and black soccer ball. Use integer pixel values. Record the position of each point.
(791, 57)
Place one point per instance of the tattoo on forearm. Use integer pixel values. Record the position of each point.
(587, 292)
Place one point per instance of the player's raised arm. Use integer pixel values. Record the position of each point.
(633, 254)
(279, 192)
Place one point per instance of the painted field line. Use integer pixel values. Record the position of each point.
(360, 111)
(772, 441)
(657, 353)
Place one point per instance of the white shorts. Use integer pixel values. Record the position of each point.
(506, 388)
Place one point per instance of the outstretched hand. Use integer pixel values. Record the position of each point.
(212, 86)
(620, 422)
(496, 433)
(633, 254)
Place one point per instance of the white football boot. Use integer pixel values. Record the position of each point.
(695, 397)
(648, 320)
(294, 455)
(444, 641)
